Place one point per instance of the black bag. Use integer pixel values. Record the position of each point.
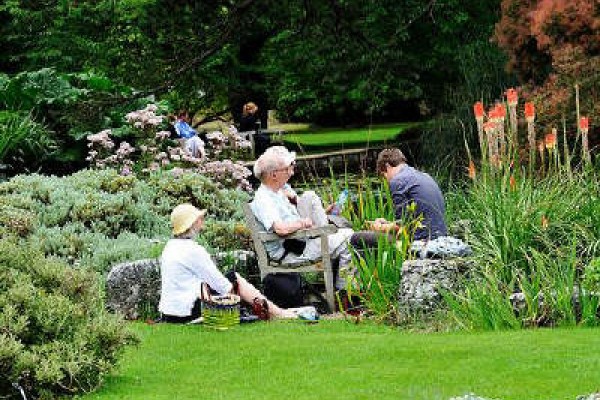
(289, 290)
(284, 289)
(295, 246)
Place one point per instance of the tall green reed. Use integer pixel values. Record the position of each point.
(484, 304)
(379, 273)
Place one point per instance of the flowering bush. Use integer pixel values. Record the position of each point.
(533, 225)
(155, 150)
(500, 143)
(228, 145)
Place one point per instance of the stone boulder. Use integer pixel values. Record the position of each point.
(133, 288)
(424, 279)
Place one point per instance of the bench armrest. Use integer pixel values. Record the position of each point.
(299, 234)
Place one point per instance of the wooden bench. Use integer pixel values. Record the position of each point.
(266, 265)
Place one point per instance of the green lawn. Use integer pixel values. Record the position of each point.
(337, 360)
(345, 137)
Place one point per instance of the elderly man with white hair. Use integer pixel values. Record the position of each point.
(278, 208)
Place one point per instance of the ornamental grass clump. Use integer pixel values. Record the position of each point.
(379, 269)
(533, 224)
(55, 336)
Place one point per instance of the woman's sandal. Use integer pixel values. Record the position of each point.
(260, 308)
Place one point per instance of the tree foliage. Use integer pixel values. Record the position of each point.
(321, 61)
(553, 45)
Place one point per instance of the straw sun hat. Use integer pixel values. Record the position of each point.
(184, 216)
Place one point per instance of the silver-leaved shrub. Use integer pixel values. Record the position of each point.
(97, 218)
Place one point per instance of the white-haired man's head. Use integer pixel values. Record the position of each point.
(273, 159)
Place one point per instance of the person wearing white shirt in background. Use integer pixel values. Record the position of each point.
(185, 265)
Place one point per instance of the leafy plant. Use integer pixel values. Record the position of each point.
(379, 274)
(22, 140)
(98, 218)
(56, 337)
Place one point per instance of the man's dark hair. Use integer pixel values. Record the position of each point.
(391, 157)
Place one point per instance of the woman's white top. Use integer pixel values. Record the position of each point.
(184, 265)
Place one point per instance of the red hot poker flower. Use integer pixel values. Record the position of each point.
(472, 171)
(584, 124)
(501, 110)
(529, 111)
(478, 109)
(489, 126)
(550, 139)
(512, 97)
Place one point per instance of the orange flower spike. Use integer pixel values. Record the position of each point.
(489, 127)
(584, 124)
(495, 115)
(544, 222)
(550, 140)
(529, 111)
(478, 110)
(512, 97)
(501, 110)
(512, 183)
(472, 171)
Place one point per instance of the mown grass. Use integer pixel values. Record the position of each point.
(338, 360)
(344, 137)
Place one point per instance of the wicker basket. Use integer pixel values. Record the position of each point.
(220, 312)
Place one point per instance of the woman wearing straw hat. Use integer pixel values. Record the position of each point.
(185, 265)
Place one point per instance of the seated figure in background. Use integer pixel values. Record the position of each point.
(279, 210)
(193, 143)
(185, 265)
(410, 186)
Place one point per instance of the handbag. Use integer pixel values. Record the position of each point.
(295, 246)
(219, 312)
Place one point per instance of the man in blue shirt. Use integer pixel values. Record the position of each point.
(415, 194)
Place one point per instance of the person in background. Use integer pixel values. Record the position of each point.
(193, 143)
(249, 117)
(250, 122)
(278, 208)
(185, 265)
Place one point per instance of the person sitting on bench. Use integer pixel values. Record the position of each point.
(278, 210)
(193, 143)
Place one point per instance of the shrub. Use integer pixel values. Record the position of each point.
(153, 149)
(55, 336)
(17, 221)
(98, 218)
